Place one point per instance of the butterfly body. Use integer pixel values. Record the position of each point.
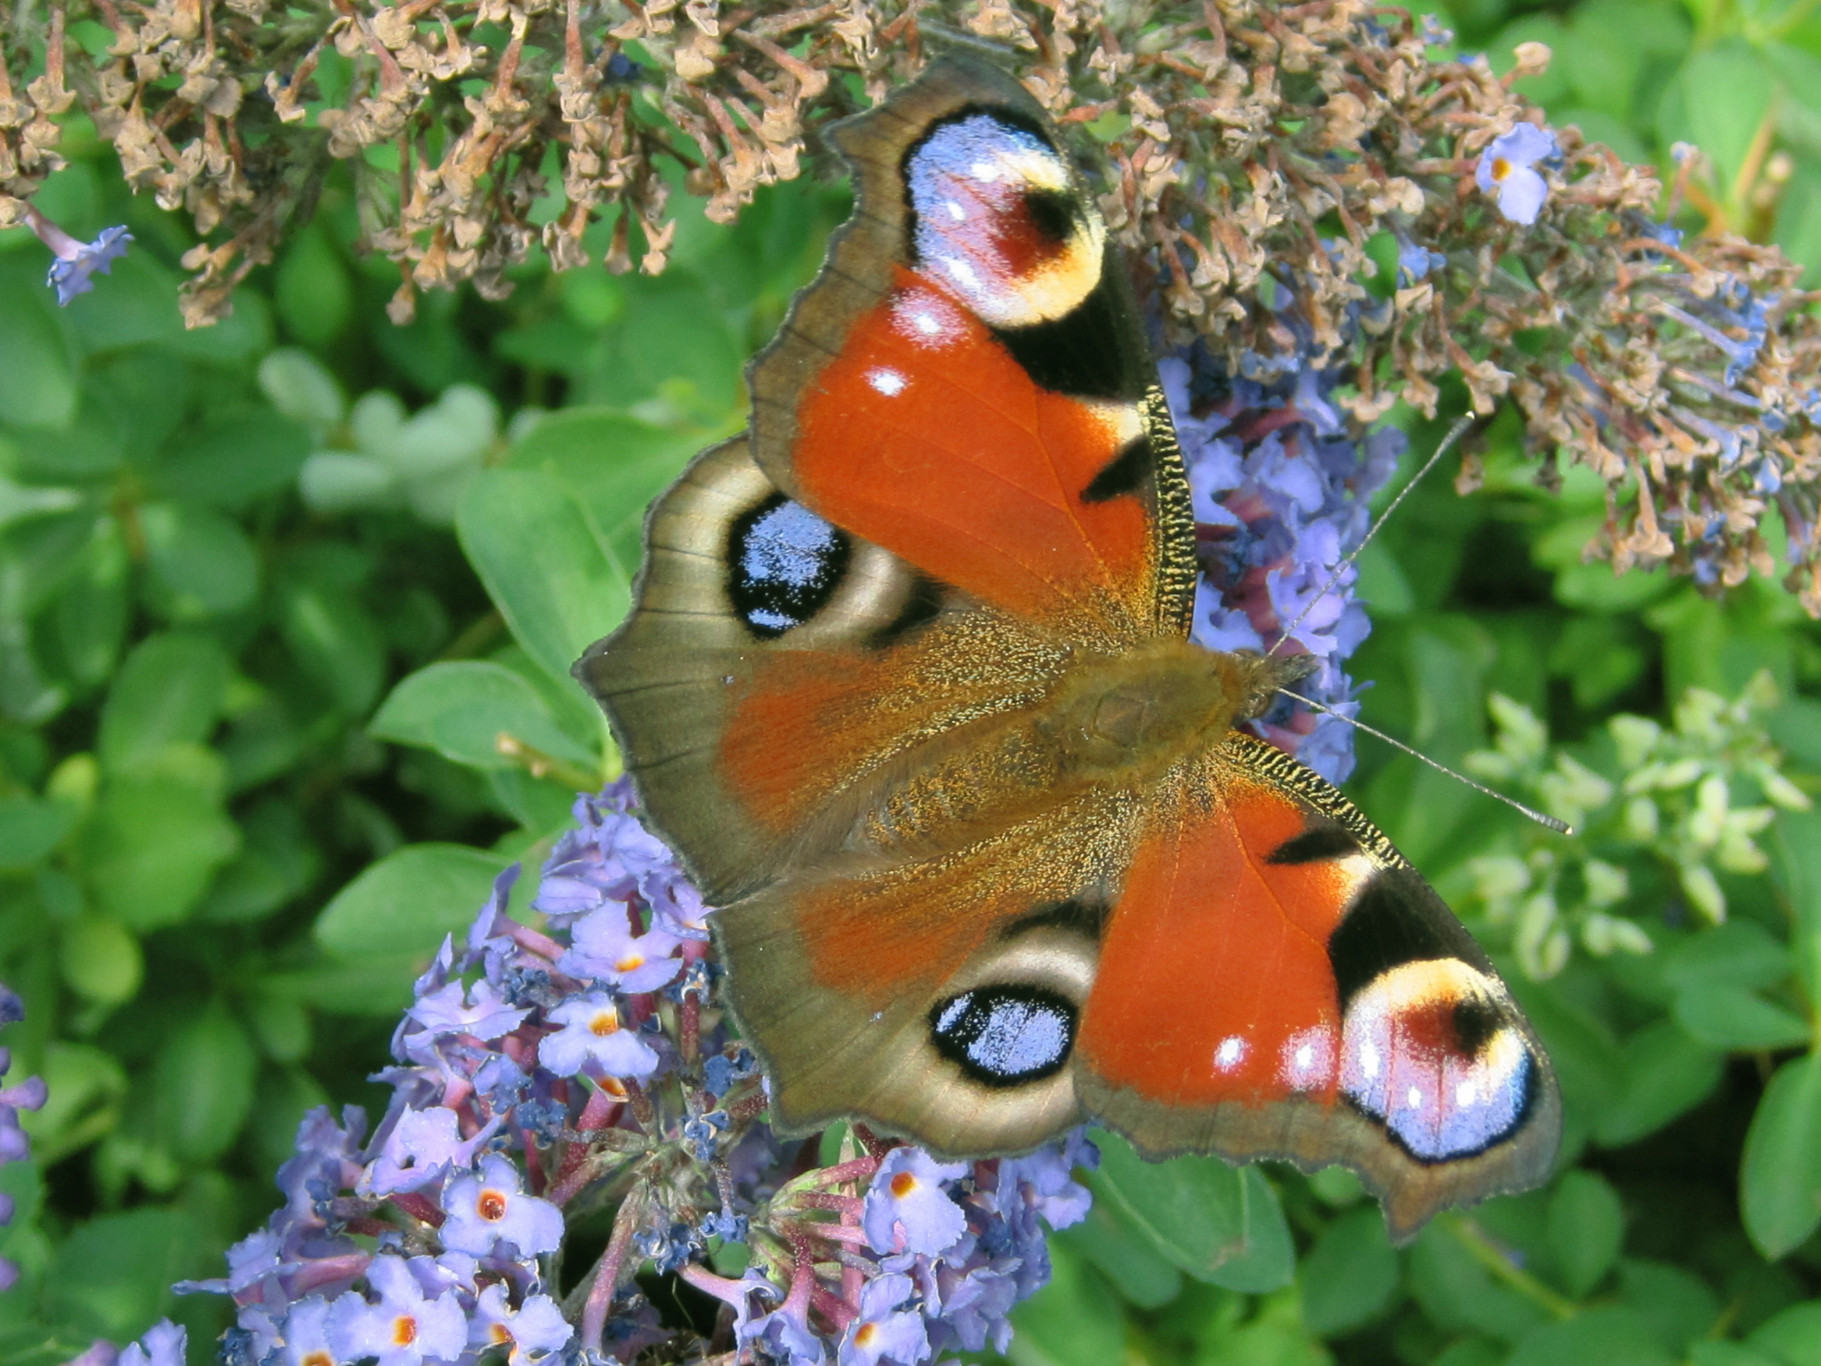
(908, 684)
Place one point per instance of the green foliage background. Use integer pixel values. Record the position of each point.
(269, 593)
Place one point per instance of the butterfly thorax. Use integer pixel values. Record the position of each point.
(1110, 721)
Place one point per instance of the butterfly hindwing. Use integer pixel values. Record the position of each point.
(1276, 981)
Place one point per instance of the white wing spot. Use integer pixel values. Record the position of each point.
(1414, 1098)
(888, 382)
(1229, 1052)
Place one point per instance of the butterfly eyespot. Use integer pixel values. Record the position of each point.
(784, 563)
(1430, 1052)
(1005, 1035)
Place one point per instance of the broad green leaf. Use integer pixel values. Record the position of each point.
(37, 361)
(92, 609)
(402, 906)
(112, 1275)
(1731, 1018)
(1796, 861)
(157, 836)
(202, 564)
(1793, 1337)
(1736, 954)
(1073, 1321)
(1667, 1074)
(1713, 1353)
(1586, 1227)
(1460, 1294)
(335, 640)
(311, 289)
(1199, 1214)
(1610, 1336)
(29, 829)
(462, 708)
(135, 303)
(101, 959)
(1123, 1255)
(612, 462)
(1726, 92)
(204, 1086)
(1274, 1336)
(230, 463)
(302, 388)
(1780, 1178)
(532, 546)
(167, 692)
(1350, 1275)
(1675, 1304)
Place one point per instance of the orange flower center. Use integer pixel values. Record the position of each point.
(903, 1184)
(492, 1205)
(404, 1330)
(865, 1334)
(1500, 168)
(607, 1022)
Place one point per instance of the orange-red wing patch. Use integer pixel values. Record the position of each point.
(1214, 982)
(925, 436)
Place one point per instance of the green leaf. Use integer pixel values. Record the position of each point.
(1458, 1293)
(1780, 1178)
(1731, 1018)
(1736, 954)
(460, 709)
(92, 609)
(202, 564)
(1216, 1222)
(1350, 1274)
(157, 836)
(301, 388)
(1796, 861)
(1073, 1321)
(29, 829)
(112, 1275)
(1727, 1354)
(204, 1086)
(101, 959)
(135, 303)
(612, 462)
(37, 361)
(1675, 1304)
(314, 296)
(230, 463)
(1611, 1336)
(533, 548)
(1793, 1337)
(402, 906)
(1586, 1227)
(1726, 93)
(167, 692)
(1667, 1074)
(334, 639)
(1123, 1255)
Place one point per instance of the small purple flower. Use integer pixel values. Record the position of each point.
(784, 1337)
(304, 1334)
(907, 1209)
(1415, 262)
(162, 1345)
(605, 949)
(405, 1328)
(422, 1146)
(883, 1331)
(1507, 169)
(77, 261)
(493, 1208)
(533, 1331)
(593, 1037)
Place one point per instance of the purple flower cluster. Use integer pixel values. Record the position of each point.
(1279, 481)
(547, 1076)
(26, 1095)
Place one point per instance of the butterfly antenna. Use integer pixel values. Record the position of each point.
(1454, 434)
(1561, 827)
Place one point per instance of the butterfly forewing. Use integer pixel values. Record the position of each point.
(907, 684)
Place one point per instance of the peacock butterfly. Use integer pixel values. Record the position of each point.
(907, 683)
